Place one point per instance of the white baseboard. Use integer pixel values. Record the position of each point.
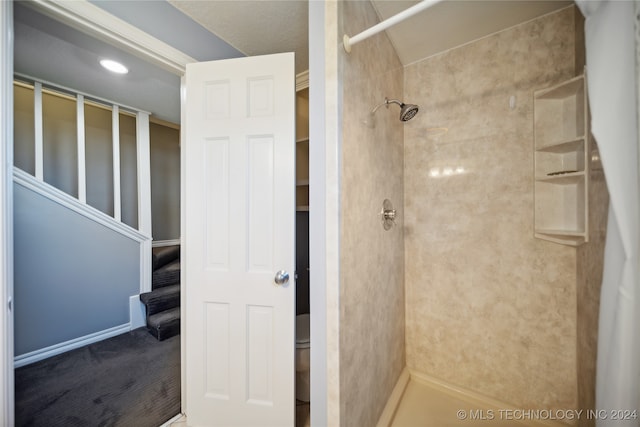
(137, 313)
(394, 399)
(37, 355)
(137, 319)
(178, 420)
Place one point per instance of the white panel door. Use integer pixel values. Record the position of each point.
(239, 232)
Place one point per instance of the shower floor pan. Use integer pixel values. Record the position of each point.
(424, 405)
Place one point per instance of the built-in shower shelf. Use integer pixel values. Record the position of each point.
(562, 178)
(571, 238)
(561, 141)
(568, 146)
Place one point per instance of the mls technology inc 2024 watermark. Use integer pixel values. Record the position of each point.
(545, 414)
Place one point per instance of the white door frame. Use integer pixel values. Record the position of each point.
(323, 180)
(325, 129)
(6, 213)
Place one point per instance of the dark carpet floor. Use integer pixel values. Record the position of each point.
(128, 380)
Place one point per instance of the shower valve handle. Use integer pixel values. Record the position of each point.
(389, 214)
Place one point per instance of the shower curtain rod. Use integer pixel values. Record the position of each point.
(381, 26)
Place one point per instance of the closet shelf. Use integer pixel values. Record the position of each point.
(302, 150)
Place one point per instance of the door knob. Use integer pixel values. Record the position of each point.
(281, 278)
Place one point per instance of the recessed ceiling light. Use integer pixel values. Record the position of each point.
(113, 66)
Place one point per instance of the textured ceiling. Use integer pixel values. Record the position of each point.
(255, 27)
(449, 24)
(261, 27)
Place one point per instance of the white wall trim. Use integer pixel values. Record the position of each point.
(302, 80)
(44, 353)
(325, 130)
(181, 418)
(71, 92)
(164, 243)
(115, 142)
(143, 159)
(82, 168)
(26, 180)
(183, 251)
(87, 17)
(37, 126)
(145, 266)
(6, 214)
(137, 313)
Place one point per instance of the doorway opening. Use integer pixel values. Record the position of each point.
(82, 225)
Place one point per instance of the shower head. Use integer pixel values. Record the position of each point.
(407, 111)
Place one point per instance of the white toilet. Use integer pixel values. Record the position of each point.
(303, 364)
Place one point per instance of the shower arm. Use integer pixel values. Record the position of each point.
(347, 41)
(386, 104)
(407, 111)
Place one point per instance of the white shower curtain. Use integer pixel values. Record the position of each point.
(612, 85)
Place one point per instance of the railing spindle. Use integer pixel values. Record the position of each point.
(37, 113)
(115, 126)
(82, 171)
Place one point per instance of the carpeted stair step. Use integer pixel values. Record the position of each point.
(161, 299)
(164, 256)
(165, 324)
(167, 275)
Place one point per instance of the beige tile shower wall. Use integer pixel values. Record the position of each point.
(489, 307)
(589, 266)
(371, 260)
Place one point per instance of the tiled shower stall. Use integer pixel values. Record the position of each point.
(459, 290)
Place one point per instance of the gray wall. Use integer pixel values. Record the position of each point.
(23, 130)
(72, 276)
(128, 171)
(165, 181)
(59, 147)
(98, 157)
